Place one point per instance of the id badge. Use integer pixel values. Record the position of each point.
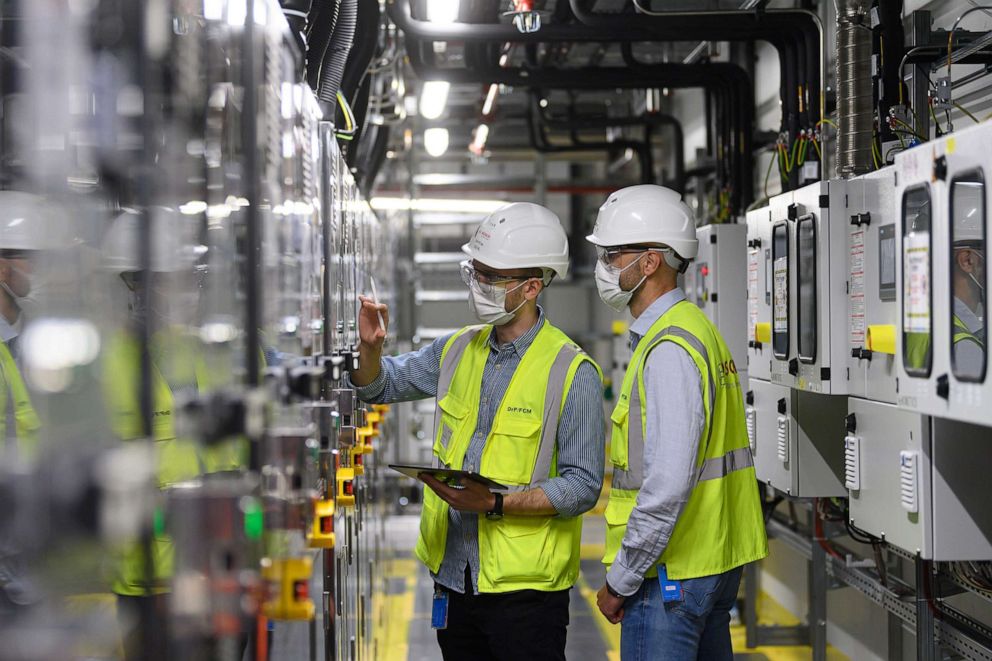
(670, 590)
(439, 610)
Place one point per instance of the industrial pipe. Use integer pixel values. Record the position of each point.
(854, 94)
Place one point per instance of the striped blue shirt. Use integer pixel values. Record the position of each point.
(581, 436)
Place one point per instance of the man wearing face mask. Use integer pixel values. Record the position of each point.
(521, 404)
(684, 513)
(968, 280)
(28, 225)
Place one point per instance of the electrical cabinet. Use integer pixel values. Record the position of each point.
(921, 485)
(871, 286)
(922, 263)
(797, 439)
(819, 261)
(759, 294)
(715, 281)
(885, 447)
(946, 369)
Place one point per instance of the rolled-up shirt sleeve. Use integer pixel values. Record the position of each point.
(675, 423)
(405, 377)
(581, 446)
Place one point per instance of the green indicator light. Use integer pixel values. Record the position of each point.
(253, 518)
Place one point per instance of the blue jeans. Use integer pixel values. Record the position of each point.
(698, 627)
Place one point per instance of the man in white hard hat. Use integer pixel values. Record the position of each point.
(167, 292)
(29, 225)
(968, 280)
(684, 514)
(521, 404)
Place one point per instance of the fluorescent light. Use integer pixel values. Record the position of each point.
(433, 98)
(479, 142)
(487, 105)
(436, 141)
(442, 11)
(436, 204)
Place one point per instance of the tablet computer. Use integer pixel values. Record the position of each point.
(447, 475)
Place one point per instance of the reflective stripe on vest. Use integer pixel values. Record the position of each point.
(962, 333)
(517, 552)
(721, 525)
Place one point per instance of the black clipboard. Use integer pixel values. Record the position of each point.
(447, 475)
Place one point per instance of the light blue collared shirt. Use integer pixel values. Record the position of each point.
(676, 419)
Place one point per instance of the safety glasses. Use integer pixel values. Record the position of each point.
(609, 256)
(487, 281)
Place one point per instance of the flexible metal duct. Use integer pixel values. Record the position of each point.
(854, 93)
(336, 55)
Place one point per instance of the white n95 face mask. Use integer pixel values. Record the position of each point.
(491, 309)
(608, 284)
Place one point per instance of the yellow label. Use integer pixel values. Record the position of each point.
(951, 145)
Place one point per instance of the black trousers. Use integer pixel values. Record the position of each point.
(529, 624)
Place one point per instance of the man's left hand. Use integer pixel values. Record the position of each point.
(470, 497)
(611, 607)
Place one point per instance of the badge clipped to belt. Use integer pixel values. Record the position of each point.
(439, 609)
(670, 590)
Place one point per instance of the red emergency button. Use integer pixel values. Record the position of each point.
(705, 271)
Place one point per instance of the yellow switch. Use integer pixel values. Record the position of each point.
(345, 477)
(322, 533)
(288, 581)
(358, 459)
(763, 332)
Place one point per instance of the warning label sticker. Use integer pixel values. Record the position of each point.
(856, 293)
(780, 295)
(916, 283)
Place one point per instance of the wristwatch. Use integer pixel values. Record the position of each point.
(496, 513)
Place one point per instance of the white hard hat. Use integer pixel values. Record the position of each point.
(969, 212)
(169, 253)
(30, 222)
(646, 214)
(521, 235)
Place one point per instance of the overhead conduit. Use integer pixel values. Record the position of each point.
(728, 82)
(796, 35)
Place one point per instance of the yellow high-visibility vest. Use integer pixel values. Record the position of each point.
(177, 459)
(515, 552)
(721, 526)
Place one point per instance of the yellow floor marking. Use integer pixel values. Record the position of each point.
(394, 630)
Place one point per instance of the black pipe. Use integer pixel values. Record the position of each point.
(373, 156)
(362, 48)
(651, 120)
(336, 55)
(541, 143)
(323, 18)
(679, 26)
(892, 44)
(732, 90)
(799, 28)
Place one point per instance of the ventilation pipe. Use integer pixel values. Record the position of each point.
(854, 91)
